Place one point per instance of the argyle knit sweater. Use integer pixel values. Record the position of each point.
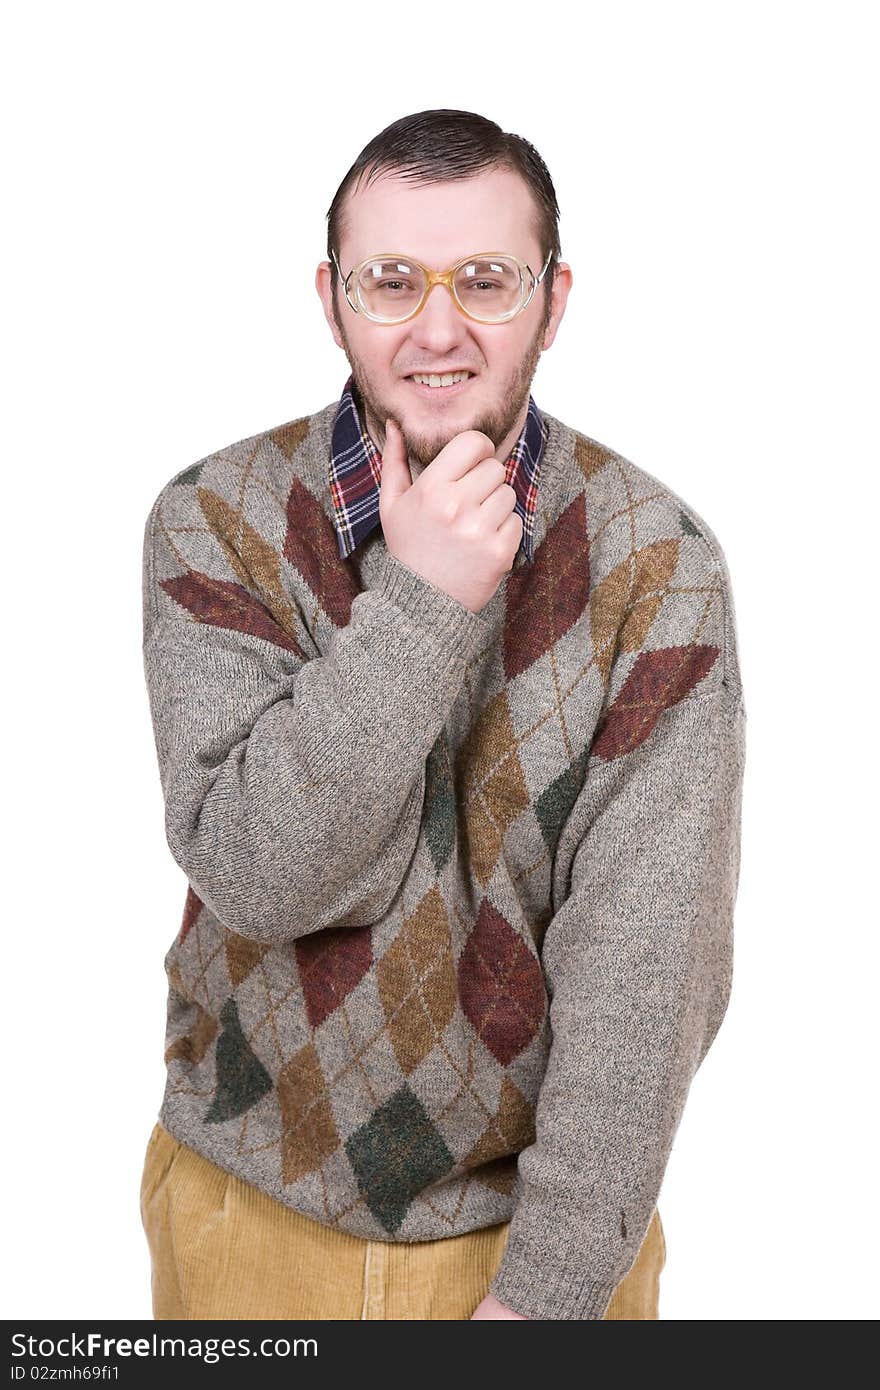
(459, 919)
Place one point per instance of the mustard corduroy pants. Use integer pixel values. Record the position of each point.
(222, 1248)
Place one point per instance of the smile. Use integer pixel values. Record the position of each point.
(454, 389)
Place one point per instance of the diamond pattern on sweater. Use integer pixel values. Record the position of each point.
(396, 1155)
(309, 1133)
(416, 982)
(554, 805)
(590, 456)
(191, 908)
(492, 787)
(256, 562)
(511, 1128)
(190, 1047)
(624, 604)
(331, 963)
(501, 986)
(242, 956)
(545, 600)
(289, 437)
(242, 1079)
(657, 681)
(226, 604)
(311, 549)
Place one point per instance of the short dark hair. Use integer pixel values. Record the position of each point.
(434, 146)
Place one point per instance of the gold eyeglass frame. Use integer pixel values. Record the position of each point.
(442, 277)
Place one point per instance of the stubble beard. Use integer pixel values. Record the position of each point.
(423, 448)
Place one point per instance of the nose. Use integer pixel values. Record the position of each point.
(440, 324)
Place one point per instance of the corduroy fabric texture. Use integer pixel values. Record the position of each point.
(221, 1248)
(458, 930)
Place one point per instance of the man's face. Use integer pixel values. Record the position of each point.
(439, 224)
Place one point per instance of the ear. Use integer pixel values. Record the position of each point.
(562, 282)
(322, 285)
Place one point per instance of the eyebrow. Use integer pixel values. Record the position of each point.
(407, 255)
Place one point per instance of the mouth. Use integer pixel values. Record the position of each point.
(441, 392)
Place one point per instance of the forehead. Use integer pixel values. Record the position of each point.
(438, 223)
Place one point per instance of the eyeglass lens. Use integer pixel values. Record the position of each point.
(489, 289)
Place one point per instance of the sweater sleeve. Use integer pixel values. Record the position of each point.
(638, 966)
(293, 782)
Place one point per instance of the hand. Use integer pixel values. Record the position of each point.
(455, 525)
(491, 1308)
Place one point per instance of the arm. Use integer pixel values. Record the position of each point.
(293, 783)
(638, 963)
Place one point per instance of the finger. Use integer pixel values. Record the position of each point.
(396, 477)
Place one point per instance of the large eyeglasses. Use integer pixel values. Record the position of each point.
(487, 286)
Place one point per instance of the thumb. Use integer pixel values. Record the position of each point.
(396, 478)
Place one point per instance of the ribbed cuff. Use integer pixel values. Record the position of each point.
(451, 625)
(545, 1292)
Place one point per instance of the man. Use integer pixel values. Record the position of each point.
(451, 733)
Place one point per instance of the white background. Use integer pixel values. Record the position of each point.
(167, 171)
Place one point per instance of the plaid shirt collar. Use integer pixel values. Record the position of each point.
(356, 467)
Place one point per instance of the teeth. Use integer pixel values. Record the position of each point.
(446, 380)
